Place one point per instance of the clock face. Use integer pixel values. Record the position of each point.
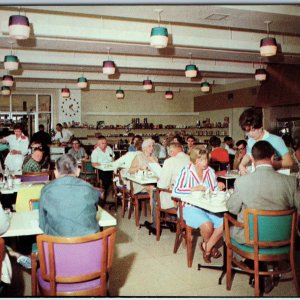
(70, 108)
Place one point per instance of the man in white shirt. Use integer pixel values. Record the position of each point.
(228, 145)
(18, 148)
(170, 171)
(103, 154)
(63, 135)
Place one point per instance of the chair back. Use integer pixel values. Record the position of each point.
(82, 261)
(269, 228)
(26, 193)
(86, 167)
(34, 204)
(35, 176)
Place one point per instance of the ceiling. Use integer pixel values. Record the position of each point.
(67, 41)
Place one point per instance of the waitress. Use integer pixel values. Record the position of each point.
(18, 148)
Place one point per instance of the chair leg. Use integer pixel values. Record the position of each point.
(178, 238)
(123, 204)
(293, 269)
(189, 247)
(229, 269)
(33, 275)
(256, 279)
(137, 217)
(157, 224)
(131, 207)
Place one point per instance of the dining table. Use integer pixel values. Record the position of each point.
(143, 180)
(27, 222)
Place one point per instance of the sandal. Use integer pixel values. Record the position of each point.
(215, 253)
(206, 255)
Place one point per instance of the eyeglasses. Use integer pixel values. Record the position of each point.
(75, 143)
(240, 149)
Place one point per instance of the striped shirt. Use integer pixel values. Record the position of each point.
(188, 178)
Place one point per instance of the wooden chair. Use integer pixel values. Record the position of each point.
(269, 237)
(35, 176)
(164, 215)
(136, 199)
(34, 204)
(74, 266)
(183, 232)
(120, 192)
(88, 172)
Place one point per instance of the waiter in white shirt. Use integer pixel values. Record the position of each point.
(103, 154)
(18, 148)
(63, 135)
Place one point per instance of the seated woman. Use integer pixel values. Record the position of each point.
(198, 176)
(135, 143)
(141, 162)
(77, 151)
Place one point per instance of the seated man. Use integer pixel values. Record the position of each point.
(103, 154)
(170, 171)
(218, 154)
(68, 205)
(241, 150)
(33, 163)
(263, 189)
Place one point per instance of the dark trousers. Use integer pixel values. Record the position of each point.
(106, 178)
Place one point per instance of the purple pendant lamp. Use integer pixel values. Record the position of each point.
(65, 92)
(268, 46)
(19, 27)
(7, 80)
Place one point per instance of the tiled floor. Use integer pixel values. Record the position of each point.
(144, 267)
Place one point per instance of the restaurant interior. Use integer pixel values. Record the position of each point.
(123, 70)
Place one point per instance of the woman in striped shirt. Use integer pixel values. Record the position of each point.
(198, 176)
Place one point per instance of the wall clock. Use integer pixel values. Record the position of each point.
(70, 109)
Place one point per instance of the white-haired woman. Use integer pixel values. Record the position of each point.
(141, 162)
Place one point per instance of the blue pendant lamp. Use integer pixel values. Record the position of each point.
(191, 69)
(159, 35)
(5, 90)
(205, 87)
(11, 62)
(120, 93)
(82, 82)
(268, 46)
(7, 80)
(19, 28)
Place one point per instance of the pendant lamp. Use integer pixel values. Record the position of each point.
(19, 27)
(120, 94)
(205, 87)
(147, 84)
(109, 66)
(260, 74)
(7, 80)
(268, 46)
(82, 82)
(191, 69)
(65, 92)
(159, 35)
(5, 90)
(11, 62)
(169, 95)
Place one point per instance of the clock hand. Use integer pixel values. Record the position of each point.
(71, 107)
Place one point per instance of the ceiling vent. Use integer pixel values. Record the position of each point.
(216, 17)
